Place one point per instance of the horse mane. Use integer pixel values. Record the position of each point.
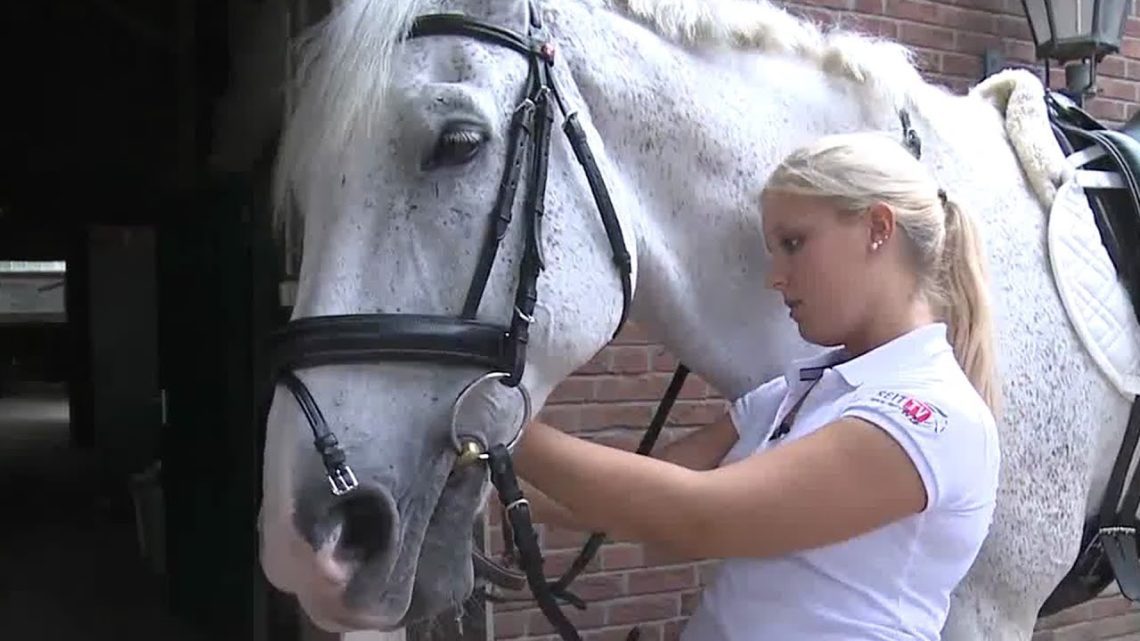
(345, 59)
(884, 66)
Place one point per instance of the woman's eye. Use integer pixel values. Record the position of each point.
(791, 244)
(456, 145)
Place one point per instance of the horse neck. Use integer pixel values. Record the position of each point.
(690, 139)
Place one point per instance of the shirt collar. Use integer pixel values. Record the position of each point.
(916, 346)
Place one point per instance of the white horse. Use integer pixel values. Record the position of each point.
(394, 155)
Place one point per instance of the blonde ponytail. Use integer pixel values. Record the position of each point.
(966, 307)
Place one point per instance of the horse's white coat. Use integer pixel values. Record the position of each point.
(685, 136)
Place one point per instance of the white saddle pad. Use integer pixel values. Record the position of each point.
(1097, 303)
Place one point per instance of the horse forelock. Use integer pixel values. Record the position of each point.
(345, 67)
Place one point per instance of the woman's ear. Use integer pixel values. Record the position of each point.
(881, 224)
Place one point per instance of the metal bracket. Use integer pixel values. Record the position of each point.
(1119, 544)
(993, 61)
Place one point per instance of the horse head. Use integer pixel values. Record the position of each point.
(461, 257)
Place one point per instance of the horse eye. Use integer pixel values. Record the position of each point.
(458, 144)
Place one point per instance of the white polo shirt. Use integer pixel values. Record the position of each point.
(895, 582)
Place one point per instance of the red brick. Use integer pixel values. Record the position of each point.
(1008, 7)
(871, 6)
(1113, 66)
(1014, 27)
(697, 412)
(874, 25)
(962, 65)
(648, 632)
(1056, 77)
(610, 415)
(977, 43)
(916, 10)
(621, 556)
(662, 360)
(689, 601)
(1113, 88)
(1017, 50)
(1105, 108)
(594, 616)
(572, 390)
(1106, 628)
(557, 538)
(653, 607)
(830, 4)
(519, 601)
(662, 579)
(597, 587)
(967, 19)
(926, 36)
(632, 334)
(630, 359)
(555, 563)
(632, 388)
(1130, 47)
(693, 388)
(511, 624)
(599, 364)
(1099, 608)
(495, 540)
(565, 417)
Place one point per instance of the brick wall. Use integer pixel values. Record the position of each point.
(612, 398)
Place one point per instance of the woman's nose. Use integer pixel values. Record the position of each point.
(777, 279)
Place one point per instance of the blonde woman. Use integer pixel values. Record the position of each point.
(850, 495)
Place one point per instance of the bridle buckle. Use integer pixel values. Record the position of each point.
(342, 480)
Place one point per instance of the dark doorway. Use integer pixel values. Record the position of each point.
(81, 555)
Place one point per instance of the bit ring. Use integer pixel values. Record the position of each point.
(458, 440)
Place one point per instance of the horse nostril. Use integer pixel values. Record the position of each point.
(366, 519)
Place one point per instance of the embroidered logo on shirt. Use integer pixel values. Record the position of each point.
(920, 413)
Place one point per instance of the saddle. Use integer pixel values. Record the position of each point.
(1107, 165)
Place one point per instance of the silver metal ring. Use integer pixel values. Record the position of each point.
(457, 442)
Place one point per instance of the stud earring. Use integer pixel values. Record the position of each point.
(875, 245)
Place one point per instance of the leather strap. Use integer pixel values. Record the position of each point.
(372, 338)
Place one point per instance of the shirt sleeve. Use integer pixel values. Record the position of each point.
(752, 413)
(946, 444)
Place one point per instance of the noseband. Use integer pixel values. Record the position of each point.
(465, 341)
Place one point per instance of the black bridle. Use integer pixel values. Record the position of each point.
(463, 340)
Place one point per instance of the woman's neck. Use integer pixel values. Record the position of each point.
(884, 326)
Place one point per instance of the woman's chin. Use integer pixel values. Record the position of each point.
(818, 336)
